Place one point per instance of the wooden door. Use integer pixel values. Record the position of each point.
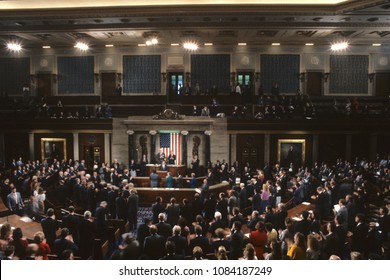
(44, 84)
(108, 84)
(382, 85)
(314, 83)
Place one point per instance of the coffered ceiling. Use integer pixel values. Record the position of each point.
(257, 23)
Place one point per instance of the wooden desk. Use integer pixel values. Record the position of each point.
(28, 228)
(144, 182)
(175, 170)
(147, 196)
(296, 211)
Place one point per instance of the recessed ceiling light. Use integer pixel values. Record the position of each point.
(175, 44)
(81, 46)
(141, 45)
(191, 46)
(242, 44)
(14, 47)
(309, 44)
(376, 45)
(208, 44)
(46, 47)
(275, 44)
(109, 46)
(339, 46)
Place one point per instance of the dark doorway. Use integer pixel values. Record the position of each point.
(314, 83)
(91, 155)
(245, 79)
(108, 84)
(44, 85)
(175, 86)
(382, 85)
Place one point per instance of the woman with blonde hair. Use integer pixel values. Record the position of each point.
(265, 194)
(43, 247)
(249, 252)
(221, 253)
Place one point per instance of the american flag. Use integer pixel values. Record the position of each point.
(171, 142)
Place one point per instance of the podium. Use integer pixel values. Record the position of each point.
(175, 170)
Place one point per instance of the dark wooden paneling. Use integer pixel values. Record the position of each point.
(67, 136)
(91, 140)
(314, 83)
(308, 146)
(383, 147)
(16, 145)
(44, 84)
(108, 84)
(250, 148)
(360, 146)
(331, 147)
(382, 85)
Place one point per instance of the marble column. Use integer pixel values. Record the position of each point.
(107, 150)
(184, 134)
(31, 147)
(315, 148)
(130, 141)
(76, 146)
(267, 145)
(208, 150)
(233, 148)
(153, 147)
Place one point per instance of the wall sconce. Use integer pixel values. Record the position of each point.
(371, 77)
(302, 77)
(326, 77)
(96, 77)
(33, 78)
(164, 77)
(233, 77)
(257, 76)
(188, 77)
(119, 77)
(55, 78)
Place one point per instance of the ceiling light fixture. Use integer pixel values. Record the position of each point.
(242, 44)
(151, 42)
(376, 45)
(309, 44)
(109, 46)
(191, 46)
(141, 45)
(275, 44)
(208, 44)
(82, 46)
(175, 44)
(16, 47)
(46, 47)
(339, 46)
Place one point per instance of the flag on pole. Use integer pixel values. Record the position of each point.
(171, 142)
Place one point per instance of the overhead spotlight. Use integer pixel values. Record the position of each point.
(339, 46)
(241, 44)
(275, 44)
(376, 45)
(154, 41)
(175, 44)
(46, 47)
(309, 44)
(148, 43)
(190, 46)
(16, 47)
(81, 46)
(109, 46)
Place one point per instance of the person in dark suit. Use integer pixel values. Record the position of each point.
(160, 156)
(195, 165)
(181, 245)
(331, 241)
(132, 203)
(102, 214)
(236, 241)
(163, 166)
(154, 179)
(50, 227)
(170, 248)
(359, 237)
(157, 208)
(143, 231)
(65, 242)
(154, 246)
(200, 241)
(303, 226)
(118, 90)
(87, 234)
(218, 223)
(164, 229)
(71, 222)
(220, 240)
(243, 198)
(171, 158)
(322, 203)
(14, 201)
